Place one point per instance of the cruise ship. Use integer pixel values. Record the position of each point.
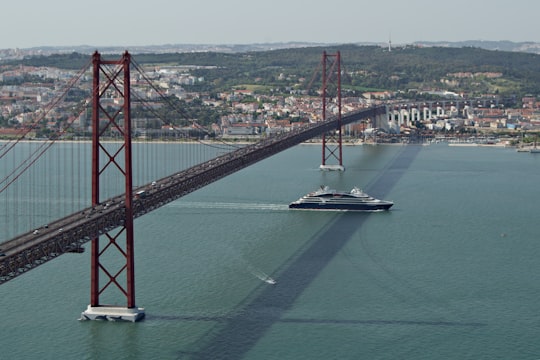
(330, 199)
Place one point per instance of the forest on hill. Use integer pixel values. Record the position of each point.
(469, 70)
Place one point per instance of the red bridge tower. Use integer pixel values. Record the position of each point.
(112, 260)
(332, 154)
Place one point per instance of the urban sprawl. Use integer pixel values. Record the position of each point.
(244, 114)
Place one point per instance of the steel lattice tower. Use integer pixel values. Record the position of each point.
(332, 154)
(107, 119)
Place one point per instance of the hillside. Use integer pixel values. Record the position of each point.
(472, 70)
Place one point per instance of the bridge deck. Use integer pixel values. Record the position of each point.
(68, 234)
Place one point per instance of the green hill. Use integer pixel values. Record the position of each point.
(472, 70)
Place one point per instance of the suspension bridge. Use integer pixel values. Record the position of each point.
(113, 182)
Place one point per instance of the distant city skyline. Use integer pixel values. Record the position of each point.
(36, 23)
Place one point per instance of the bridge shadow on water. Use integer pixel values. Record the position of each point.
(234, 336)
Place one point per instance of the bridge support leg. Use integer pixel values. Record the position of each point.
(332, 151)
(106, 120)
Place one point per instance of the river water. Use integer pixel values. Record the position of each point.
(228, 272)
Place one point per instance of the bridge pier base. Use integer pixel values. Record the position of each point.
(112, 313)
(326, 167)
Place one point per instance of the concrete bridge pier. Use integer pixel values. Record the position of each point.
(416, 115)
(390, 121)
(382, 121)
(440, 111)
(427, 113)
(404, 117)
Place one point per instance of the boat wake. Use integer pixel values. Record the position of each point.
(262, 276)
(232, 206)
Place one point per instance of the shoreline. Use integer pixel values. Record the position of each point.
(306, 143)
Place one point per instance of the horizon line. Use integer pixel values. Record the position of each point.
(314, 43)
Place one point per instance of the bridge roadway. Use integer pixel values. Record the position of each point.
(29, 250)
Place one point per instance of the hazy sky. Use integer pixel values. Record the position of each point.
(29, 23)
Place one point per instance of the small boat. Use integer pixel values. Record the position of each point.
(330, 199)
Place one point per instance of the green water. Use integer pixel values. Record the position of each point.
(452, 272)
